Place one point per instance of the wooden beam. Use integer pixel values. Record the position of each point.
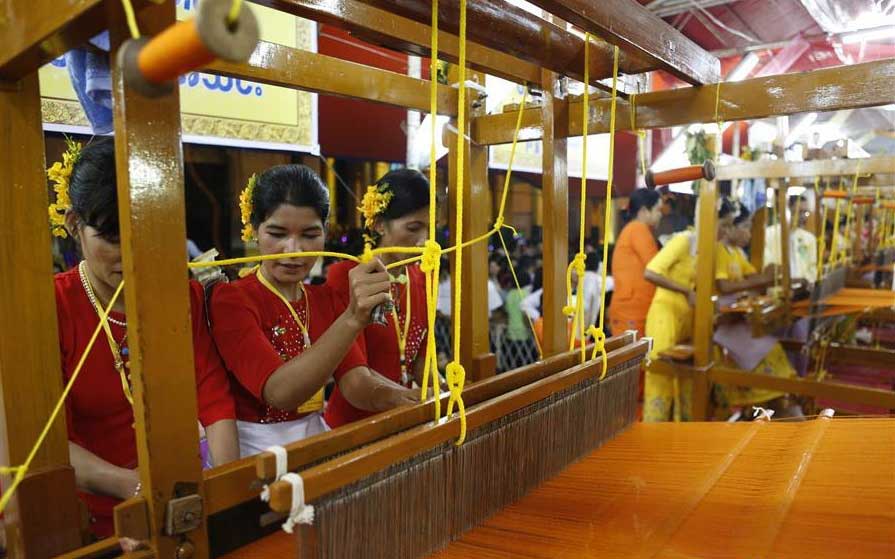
(34, 32)
(704, 312)
(555, 213)
(864, 356)
(500, 25)
(381, 27)
(283, 66)
(153, 253)
(807, 169)
(329, 476)
(756, 247)
(237, 482)
(829, 89)
(635, 29)
(805, 387)
(30, 375)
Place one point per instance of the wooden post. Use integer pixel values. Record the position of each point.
(43, 517)
(555, 192)
(756, 248)
(153, 244)
(786, 280)
(475, 349)
(704, 313)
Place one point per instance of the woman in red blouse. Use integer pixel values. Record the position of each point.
(281, 339)
(99, 413)
(395, 350)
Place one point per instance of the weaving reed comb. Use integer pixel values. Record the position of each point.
(414, 491)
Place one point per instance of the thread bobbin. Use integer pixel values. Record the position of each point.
(152, 65)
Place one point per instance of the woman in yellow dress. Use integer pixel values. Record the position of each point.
(670, 318)
(735, 274)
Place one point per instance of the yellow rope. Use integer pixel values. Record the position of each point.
(849, 216)
(499, 222)
(531, 324)
(577, 263)
(19, 472)
(131, 19)
(233, 14)
(599, 333)
(455, 372)
(834, 241)
(822, 245)
(431, 258)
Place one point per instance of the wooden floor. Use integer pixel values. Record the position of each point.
(813, 489)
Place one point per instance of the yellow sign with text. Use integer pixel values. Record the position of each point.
(216, 109)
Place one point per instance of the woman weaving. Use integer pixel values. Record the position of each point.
(670, 318)
(99, 409)
(283, 340)
(396, 213)
(734, 274)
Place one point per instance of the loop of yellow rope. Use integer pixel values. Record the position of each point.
(599, 332)
(599, 337)
(456, 374)
(430, 260)
(21, 471)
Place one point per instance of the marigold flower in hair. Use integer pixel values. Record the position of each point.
(60, 173)
(374, 202)
(245, 209)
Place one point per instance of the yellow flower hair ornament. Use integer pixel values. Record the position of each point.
(60, 173)
(374, 202)
(245, 209)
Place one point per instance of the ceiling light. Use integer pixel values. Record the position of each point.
(874, 34)
(744, 68)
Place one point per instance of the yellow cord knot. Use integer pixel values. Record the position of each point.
(599, 337)
(367, 256)
(431, 257)
(577, 266)
(456, 378)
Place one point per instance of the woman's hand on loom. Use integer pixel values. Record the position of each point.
(369, 287)
(691, 298)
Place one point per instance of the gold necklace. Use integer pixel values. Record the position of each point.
(402, 337)
(315, 403)
(118, 352)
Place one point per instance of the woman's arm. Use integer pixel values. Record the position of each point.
(223, 441)
(754, 281)
(369, 391)
(95, 475)
(668, 284)
(294, 382)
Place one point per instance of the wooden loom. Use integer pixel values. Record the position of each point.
(769, 315)
(152, 218)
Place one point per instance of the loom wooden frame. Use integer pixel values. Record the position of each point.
(703, 370)
(152, 211)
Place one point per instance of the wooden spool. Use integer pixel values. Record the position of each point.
(706, 171)
(152, 66)
(835, 194)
